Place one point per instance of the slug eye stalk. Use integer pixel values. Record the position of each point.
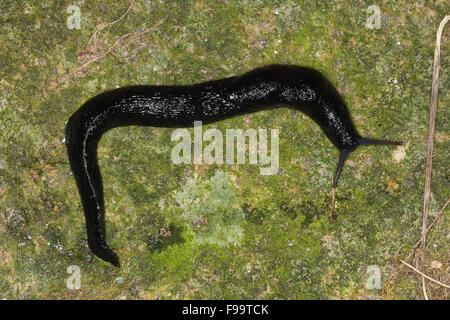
(343, 154)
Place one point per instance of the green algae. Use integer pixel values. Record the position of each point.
(211, 210)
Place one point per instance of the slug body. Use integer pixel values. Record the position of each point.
(300, 88)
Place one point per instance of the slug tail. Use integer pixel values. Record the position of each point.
(370, 141)
(82, 152)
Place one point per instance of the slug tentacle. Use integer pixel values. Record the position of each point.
(300, 88)
(342, 157)
(369, 141)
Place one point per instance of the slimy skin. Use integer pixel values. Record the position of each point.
(300, 88)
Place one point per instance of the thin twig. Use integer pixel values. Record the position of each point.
(412, 251)
(424, 275)
(431, 131)
(112, 48)
(109, 24)
(438, 217)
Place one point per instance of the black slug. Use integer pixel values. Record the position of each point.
(300, 88)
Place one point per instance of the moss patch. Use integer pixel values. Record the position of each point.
(287, 248)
